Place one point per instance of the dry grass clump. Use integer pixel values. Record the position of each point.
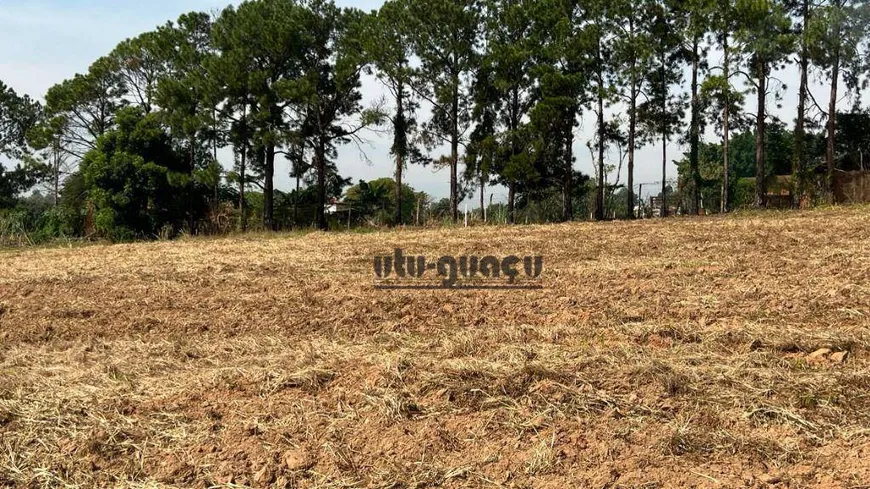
(722, 352)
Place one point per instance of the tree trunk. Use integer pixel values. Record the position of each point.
(830, 154)
(320, 168)
(296, 202)
(599, 201)
(568, 179)
(664, 210)
(664, 129)
(400, 153)
(300, 164)
(761, 127)
(56, 165)
(483, 196)
(417, 215)
(454, 152)
(243, 218)
(799, 160)
(513, 123)
(269, 190)
(640, 200)
(214, 147)
(632, 127)
(695, 132)
(632, 145)
(726, 129)
(512, 202)
(191, 221)
(399, 167)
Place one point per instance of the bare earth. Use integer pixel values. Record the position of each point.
(662, 354)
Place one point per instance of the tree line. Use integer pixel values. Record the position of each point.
(132, 146)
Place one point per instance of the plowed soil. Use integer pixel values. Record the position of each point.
(709, 352)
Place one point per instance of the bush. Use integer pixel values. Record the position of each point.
(56, 223)
(25, 225)
(13, 228)
(744, 193)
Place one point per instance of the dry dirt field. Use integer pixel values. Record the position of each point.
(661, 354)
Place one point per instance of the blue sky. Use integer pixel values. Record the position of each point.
(43, 42)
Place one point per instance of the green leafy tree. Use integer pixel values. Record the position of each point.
(135, 178)
(548, 152)
(186, 94)
(232, 90)
(483, 148)
(50, 155)
(88, 103)
(853, 140)
(565, 75)
(599, 37)
(18, 115)
(377, 198)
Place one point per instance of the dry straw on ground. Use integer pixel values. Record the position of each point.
(661, 354)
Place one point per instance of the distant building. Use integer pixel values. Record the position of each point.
(335, 207)
(655, 205)
(852, 187)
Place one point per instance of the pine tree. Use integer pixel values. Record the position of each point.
(764, 40)
(835, 34)
(388, 46)
(634, 58)
(444, 34)
(662, 112)
(507, 78)
(718, 89)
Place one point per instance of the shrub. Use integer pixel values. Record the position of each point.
(744, 193)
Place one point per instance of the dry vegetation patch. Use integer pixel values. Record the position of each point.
(727, 352)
